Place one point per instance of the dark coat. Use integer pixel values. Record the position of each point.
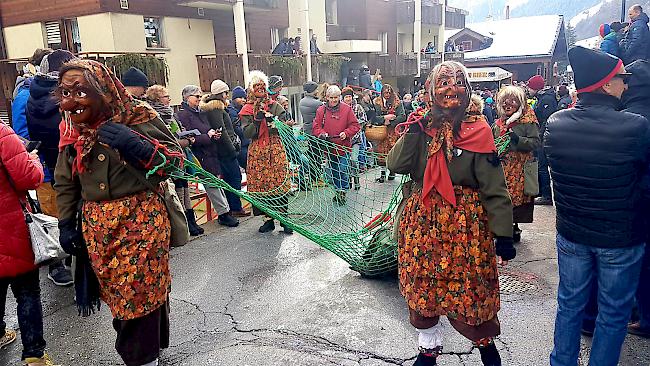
(308, 107)
(637, 97)
(204, 148)
(489, 114)
(365, 79)
(233, 112)
(43, 118)
(597, 157)
(228, 145)
(16, 256)
(564, 102)
(634, 45)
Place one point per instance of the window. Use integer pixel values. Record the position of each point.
(63, 34)
(277, 35)
(383, 37)
(53, 35)
(73, 38)
(153, 32)
(331, 12)
(404, 43)
(467, 45)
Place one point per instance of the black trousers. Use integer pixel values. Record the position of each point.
(27, 291)
(232, 176)
(140, 340)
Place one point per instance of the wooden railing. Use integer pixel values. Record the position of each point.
(228, 67)
(394, 65)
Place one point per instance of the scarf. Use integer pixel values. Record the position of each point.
(122, 108)
(251, 108)
(474, 136)
(522, 116)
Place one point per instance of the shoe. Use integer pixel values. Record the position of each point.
(195, 229)
(382, 178)
(287, 230)
(39, 361)
(269, 225)
(425, 360)
(516, 233)
(59, 275)
(357, 184)
(7, 339)
(391, 176)
(490, 355)
(637, 330)
(241, 213)
(543, 201)
(227, 220)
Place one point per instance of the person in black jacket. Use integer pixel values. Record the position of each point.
(634, 45)
(228, 146)
(237, 101)
(545, 106)
(598, 158)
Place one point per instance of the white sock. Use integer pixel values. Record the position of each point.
(430, 338)
(152, 363)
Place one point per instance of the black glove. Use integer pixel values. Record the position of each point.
(260, 116)
(505, 248)
(69, 237)
(514, 137)
(415, 128)
(269, 119)
(133, 149)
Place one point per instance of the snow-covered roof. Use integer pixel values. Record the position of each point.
(516, 37)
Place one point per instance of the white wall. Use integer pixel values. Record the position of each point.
(317, 20)
(96, 33)
(22, 40)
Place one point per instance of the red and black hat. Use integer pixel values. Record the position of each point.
(593, 68)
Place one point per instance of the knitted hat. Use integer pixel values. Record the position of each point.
(604, 30)
(310, 87)
(347, 91)
(592, 68)
(255, 77)
(536, 82)
(275, 81)
(238, 92)
(55, 60)
(218, 87)
(135, 77)
(617, 26)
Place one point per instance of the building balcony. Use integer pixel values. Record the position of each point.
(227, 4)
(430, 60)
(431, 14)
(229, 68)
(394, 65)
(351, 46)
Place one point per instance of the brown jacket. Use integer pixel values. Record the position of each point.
(251, 127)
(106, 178)
(474, 170)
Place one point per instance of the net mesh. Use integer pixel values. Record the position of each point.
(334, 201)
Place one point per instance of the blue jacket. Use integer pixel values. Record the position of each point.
(233, 111)
(18, 106)
(610, 44)
(43, 118)
(634, 46)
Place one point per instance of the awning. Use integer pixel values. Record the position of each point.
(482, 74)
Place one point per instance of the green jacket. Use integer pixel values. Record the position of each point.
(106, 178)
(252, 127)
(528, 137)
(474, 170)
(399, 113)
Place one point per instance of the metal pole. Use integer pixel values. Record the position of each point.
(417, 33)
(305, 40)
(240, 35)
(441, 34)
(623, 11)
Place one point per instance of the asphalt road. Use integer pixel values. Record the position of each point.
(244, 298)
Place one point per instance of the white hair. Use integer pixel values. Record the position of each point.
(333, 91)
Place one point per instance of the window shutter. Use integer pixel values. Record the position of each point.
(53, 33)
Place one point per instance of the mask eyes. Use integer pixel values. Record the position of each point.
(81, 94)
(444, 83)
(65, 93)
(459, 82)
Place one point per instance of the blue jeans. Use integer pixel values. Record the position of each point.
(232, 176)
(617, 273)
(338, 170)
(643, 292)
(27, 291)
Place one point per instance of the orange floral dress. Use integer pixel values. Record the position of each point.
(446, 254)
(268, 168)
(384, 146)
(128, 246)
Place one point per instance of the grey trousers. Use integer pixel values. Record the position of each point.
(218, 199)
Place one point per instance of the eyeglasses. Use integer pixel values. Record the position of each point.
(624, 77)
(195, 95)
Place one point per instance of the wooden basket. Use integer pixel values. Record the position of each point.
(377, 133)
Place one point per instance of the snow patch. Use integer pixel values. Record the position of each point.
(588, 13)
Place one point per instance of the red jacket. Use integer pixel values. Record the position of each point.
(333, 122)
(16, 256)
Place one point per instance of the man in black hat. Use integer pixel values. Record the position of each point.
(135, 82)
(597, 157)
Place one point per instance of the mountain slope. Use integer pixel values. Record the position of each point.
(479, 10)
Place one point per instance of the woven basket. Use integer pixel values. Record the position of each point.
(377, 133)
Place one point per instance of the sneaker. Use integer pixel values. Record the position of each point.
(269, 225)
(39, 361)
(637, 330)
(60, 275)
(7, 339)
(228, 220)
(543, 201)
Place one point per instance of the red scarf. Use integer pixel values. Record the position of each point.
(249, 109)
(67, 135)
(475, 136)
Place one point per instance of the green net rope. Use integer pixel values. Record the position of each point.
(358, 228)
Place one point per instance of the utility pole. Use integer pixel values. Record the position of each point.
(623, 11)
(240, 35)
(304, 38)
(417, 33)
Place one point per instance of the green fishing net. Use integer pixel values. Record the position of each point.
(359, 226)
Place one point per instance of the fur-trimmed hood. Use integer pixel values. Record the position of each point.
(208, 104)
